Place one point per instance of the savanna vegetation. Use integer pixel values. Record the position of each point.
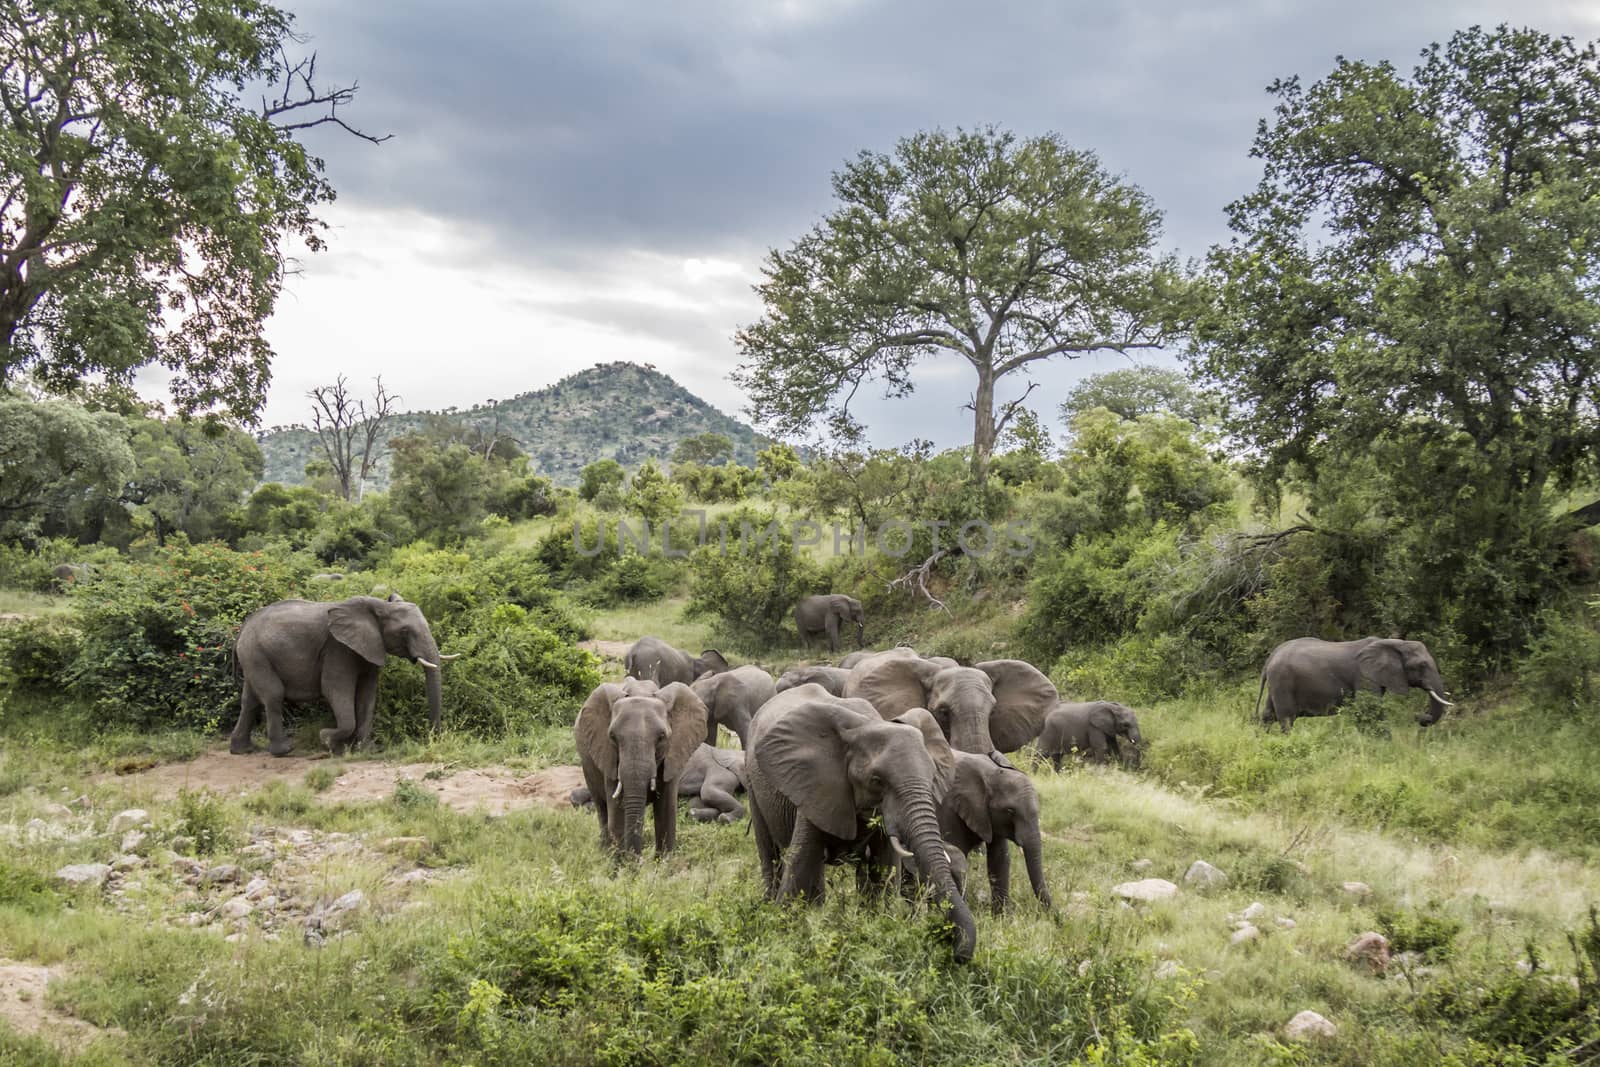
(1383, 425)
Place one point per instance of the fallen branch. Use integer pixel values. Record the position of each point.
(920, 576)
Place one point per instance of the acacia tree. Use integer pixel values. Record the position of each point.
(144, 204)
(1001, 250)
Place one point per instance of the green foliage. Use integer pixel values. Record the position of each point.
(443, 491)
(204, 819)
(291, 513)
(53, 453)
(1134, 392)
(189, 476)
(27, 890)
(1431, 934)
(601, 482)
(409, 796)
(749, 586)
(1559, 671)
(652, 496)
(711, 485)
(321, 779)
(37, 653)
(361, 534)
(705, 449)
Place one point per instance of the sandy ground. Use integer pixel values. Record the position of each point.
(494, 790)
(22, 1006)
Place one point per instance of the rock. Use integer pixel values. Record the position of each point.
(38, 830)
(337, 914)
(220, 874)
(57, 811)
(237, 908)
(1356, 889)
(301, 838)
(126, 863)
(185, 864)
(1254, 911)
(411, 877)
(1204, 876)
(1143, 865)
(259, 851)
(132, 840)
(128, 819)
(1370, 948)
(1148, 889)
(1308, 1026)
(1286, 923)
(1244, 935)
(81, 874)
(1084, 967)
(81, 803)
(235, 936)
(256, 889)
(1169, 969)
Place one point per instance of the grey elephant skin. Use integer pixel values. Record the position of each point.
(991, 708)
(1310, 677)
(635, 739)
(826, 614)
(858, 659)
(300, 650)
(830, 678)
(69, 574)
(713, 780)
(822, 769)
(1092, 730)
(653, 659)
(994, 807)
(732, 699)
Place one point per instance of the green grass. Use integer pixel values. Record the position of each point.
(19, 602)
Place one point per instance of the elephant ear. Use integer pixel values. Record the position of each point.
(944, 758)
(711, 660)
(804, 754)
(970, 794)
(593, 729)
(355, 626)
(1383, 666)
(686, 718)
(1103, 717)
(1022, 698)
(893, 685)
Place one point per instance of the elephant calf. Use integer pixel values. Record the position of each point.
(654, 660)
(830, 678)
(713, 778)
(1092, 731)
(819, 616)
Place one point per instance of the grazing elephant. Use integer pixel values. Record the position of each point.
(653, 659)
(991, 708)
(1309, 677)
(818, 615)
(300, 650)
(858, 659)
(70, 574)
(830, 779)
(1091, 730)
(830, 678)
(714, 777)
(635, 739)
(989, 805)
(732, 699)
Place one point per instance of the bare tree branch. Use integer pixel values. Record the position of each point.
(300, 92)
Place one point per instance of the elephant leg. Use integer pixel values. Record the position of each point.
(802, 865)
(239, 742)
(1098, 747)
(595, 782)
(666, 817)
(872, 879)
(1055, 761)
(997, 854)
(720, 802)
(711, 730)
(766, 852)
(366, 704)
(833, 634)
(339, 690)
(269, 691)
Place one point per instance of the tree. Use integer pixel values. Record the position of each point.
(1417, 279)
(709, 449)
(597, 478)
(146, 208)
(1002, 251)
(53, 452)
(189, 475)
(348, 432)
(1134, 391)
(443, 491)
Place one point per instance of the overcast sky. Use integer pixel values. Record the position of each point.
(570, 183)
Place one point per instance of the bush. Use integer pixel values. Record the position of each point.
(1559, 671)
(37, 653)
(204, 819)
(749, 587)
(633, 577)
(450, 586)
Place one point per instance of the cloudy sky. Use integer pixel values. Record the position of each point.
(584, 181)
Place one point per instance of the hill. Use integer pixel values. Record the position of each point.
(622, 411)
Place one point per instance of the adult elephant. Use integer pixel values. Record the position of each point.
(1091, 729)
(653, 659)
(713, 778)
(859, 659)
(1310, 677)
(732, 699)
(991, 708)
(300, 650)
(830, 678)
(994, 807)
(635, 739)
(815, 616)
(829, 778)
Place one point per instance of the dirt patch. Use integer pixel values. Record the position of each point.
(610, 650)
(17, 616)
(495, 790)
(22, 1006)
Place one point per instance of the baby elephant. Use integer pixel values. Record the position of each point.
(713, 777)
(1091, 730)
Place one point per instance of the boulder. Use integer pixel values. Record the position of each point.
(1371, 950)
(1244, 935)
(128, 819)
(82, 874)
(1147, 889)
(1309, 1026)
(1357, 889)
(1204, 876)
(220, 874)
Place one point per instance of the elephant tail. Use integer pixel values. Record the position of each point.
(1256, 715)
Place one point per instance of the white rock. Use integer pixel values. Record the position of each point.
(1307, 1026)
(1084, 967)
(77, 874)
(126, 863)
(237, 908)
(299, 838)
(1286, 923)
(1357, 889)
(132, 840)
(1169, 969)
(1143, 865)
(1205, 876)
(1244, 935)
(1147, 889)
(57, 811)
(256, 889)
(1254, 911)
(128, 819)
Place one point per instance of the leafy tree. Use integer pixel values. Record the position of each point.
(189, 475)
(1028, 457)
(1000, 250)
(777, 463)
(52, 453)
(652, 495)
(443, 491)
(599, 476)
(1417, 277)
(276, 510)
(146, 207)
(1134, 391)
(709, 449)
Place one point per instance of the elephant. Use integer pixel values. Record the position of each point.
(300, 649)
(830, 678)
(714, 777)
(992, 708)
(635, 738)
(1310, 677)
(831, 779)
(653, 659)
(824, 614)
(732, 699)
(1091, 730)
(70, 574)
(857, 659)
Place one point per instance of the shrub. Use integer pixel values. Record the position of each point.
(1559, 671)
(633, 577)
(204, 819)
(27, 890)
(749, 586)
(1431, 935)
(449, 586)
(37, 653)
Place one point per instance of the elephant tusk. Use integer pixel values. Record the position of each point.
(453, 655)
(617, 792)
(1440, 699)
(652, 783)
(427, 664)
(899, 849)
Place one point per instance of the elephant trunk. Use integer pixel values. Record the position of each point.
(435, 697)
(425, 652)
(970, 733)
(1133, 751)
(919, 825)
(1033, 855)
(1436, 706)
(635, 772)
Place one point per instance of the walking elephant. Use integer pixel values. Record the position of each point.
(732, 699)
(713, 778)
(815, 616)
(992, 708)
(830, 678)
(994, 807)
(300, 650)
(1091, 730)
(635, 739)
(653, 659)
(830, 779)
(1309, 677)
